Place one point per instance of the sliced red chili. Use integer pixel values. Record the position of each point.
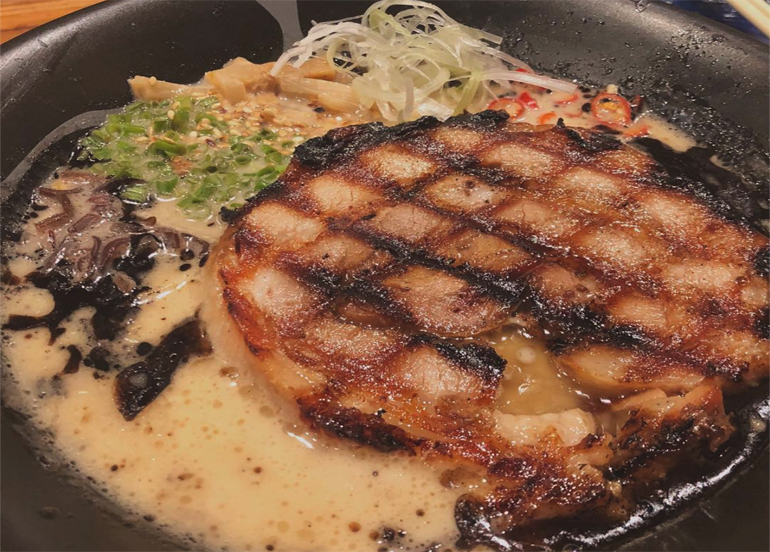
(510, 105)
(527, 101)
(546, 118)
(567, 100)
(636, 102)
(611, 109)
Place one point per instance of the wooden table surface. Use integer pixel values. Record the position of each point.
(19, 16)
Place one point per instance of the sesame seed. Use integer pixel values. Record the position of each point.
(153, 80)
(193, 134)
(170, 113)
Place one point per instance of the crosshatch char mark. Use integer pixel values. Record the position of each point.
(379, 263)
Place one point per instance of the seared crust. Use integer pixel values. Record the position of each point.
(365, 270)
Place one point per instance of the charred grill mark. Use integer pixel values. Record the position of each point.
(341, 144)
(762, 262)
(507, 519)
(582, 318)
(628, 336)
(351, 423)
(372, 293)
(593, 142)
(368, 288)
(762, 324)
(477, 359)
(506, 288)
(568, 325)
(672, 436)
(572, 324)
(278, 190)
(485, 121)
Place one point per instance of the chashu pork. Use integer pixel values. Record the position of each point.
(362, 285)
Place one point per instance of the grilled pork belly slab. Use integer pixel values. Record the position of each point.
(366, 280)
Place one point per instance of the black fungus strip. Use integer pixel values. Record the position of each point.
(99, 359)
(144, 249)
(117, 185)
(8, 277)
(52, 222)
(139, 384)
(112, 306)
(73, 362)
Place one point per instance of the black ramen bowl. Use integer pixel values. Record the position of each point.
(705, 77)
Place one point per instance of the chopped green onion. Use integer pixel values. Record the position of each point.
(168, 148)
(205, 190)
(267, 134)
(195, 209)
(267, 171)
(181, 120)
(158, 164)
(200, 177)
(166, 186)
(160, 125)
(208, 102)
(241, 148)
(135, 194)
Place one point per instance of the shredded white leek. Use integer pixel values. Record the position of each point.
(416, 62)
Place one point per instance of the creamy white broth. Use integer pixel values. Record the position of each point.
(216, 456)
